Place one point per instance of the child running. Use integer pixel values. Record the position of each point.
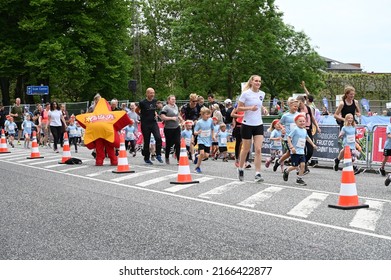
(348, 135)
(187, 134)
(215, 144)
(72, 133)
(10, 128)
(130, 139)
(222, 136)
(204, 130)
(276, 143)
(27, 125)
(386, 150)
(296, 143)
(288, 122)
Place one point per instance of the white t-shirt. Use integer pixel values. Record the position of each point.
(55, 118)
(250, 98)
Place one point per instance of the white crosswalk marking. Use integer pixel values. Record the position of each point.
(134, 175)
(14, 157)
(34, 160)
(75, 168)
(99, 173)
(259, 197)
(366, 218)
(44, 161)
(156, 180)
(308, 205)
(180, 187)
(220, 190)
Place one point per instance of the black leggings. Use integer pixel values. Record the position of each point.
(56, 132)
(173, 137)
(146, 130)
(238, 138)
(309, 149)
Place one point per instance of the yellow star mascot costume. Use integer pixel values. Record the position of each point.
(102, 128)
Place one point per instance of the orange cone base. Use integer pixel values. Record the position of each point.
(125, 171)
(34, 157)
(5, 152)
(60, 162)
(349, 207)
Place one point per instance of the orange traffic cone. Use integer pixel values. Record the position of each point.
(34, 148)
(348, 198)
(3, 144)
(184, 176)
(123, 166)
(66, 151)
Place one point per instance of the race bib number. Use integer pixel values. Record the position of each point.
(73, 131)
(351, 138)
(130, 135)
(187, 141)
(301, 143)
(277, 143)
(223, 141)
(11, 127)
(28, 125)
(205, 133)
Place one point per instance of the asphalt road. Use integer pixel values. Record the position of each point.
(55, 211)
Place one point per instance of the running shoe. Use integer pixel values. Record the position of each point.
(159, 158)
(240, 174)
(258, 178)
(198, 170)
(300, 182)
(387, 181)
(167, 161)
(275, 166)
(247, 165)
(285, 175)
(382, 171)
(195, 159)
(357, 170)
(267, 163)
(149, 162)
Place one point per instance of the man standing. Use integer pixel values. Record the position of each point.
(17, 114)
(147, 111)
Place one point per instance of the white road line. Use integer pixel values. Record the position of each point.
(44, 161)
(14, 157)
(366, 218)
(259, 197)
(33, 159)
(180, 187)
(219, 204)
(156, 180)
(220, 190)
(135, 175)
(99, 173)
(308, 205)
(75, 168)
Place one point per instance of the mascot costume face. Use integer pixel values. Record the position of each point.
(102, 128)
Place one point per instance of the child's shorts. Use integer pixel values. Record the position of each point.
(297, 159)
(203, 147)
(222, 149)
(215, 143)
(387, 152)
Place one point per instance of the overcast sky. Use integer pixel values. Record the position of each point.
(349, 31)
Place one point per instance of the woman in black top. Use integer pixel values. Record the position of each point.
(348, 105)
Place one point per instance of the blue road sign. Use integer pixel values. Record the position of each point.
(37, 90)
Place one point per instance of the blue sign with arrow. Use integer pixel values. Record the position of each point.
(37, 90)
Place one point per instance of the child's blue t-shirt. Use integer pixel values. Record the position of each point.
(11, 126)
(288, 121)
(27, 125)
(206, 127)
(387, 144)
(276, 144)
(298, 137)
(187, 134)
(222, 137)
(72, 130)
(129, 133)
(349, 136)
